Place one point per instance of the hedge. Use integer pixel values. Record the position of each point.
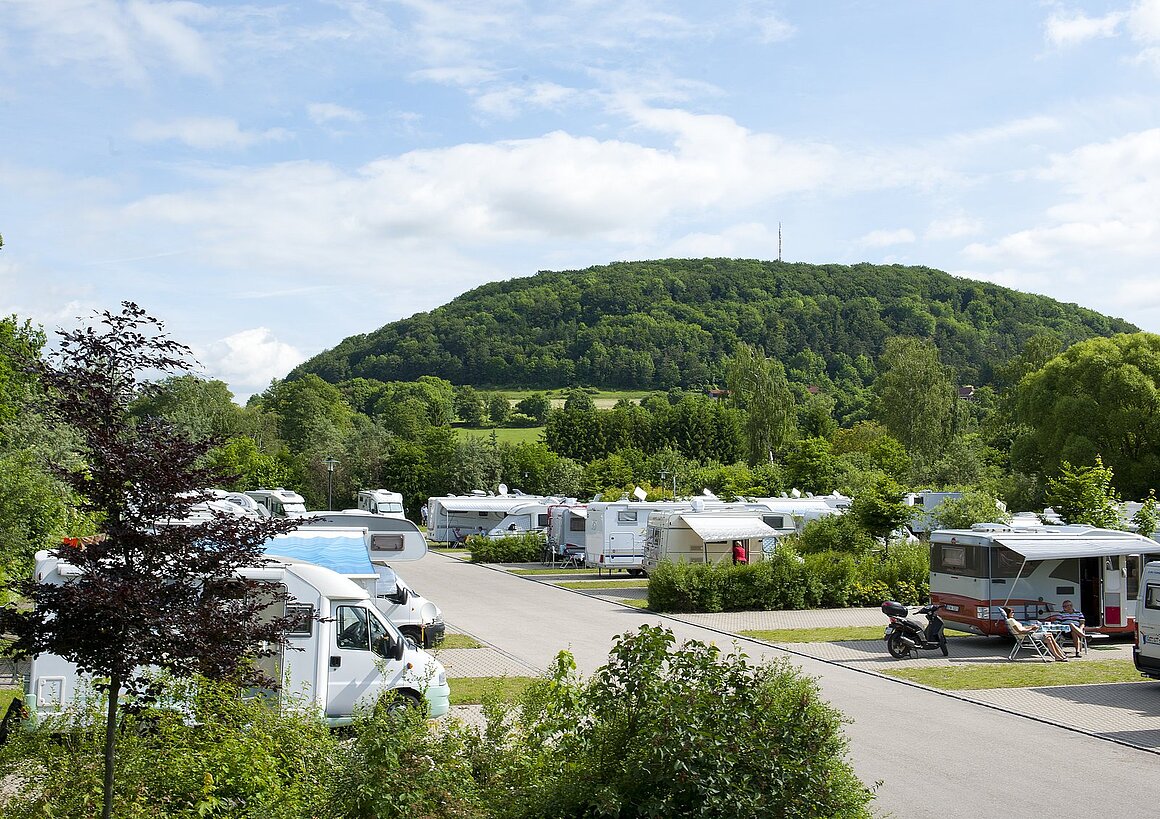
(789, 581)
(527, 547)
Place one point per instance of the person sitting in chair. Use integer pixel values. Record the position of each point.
(1075, 620)
(1045, 637)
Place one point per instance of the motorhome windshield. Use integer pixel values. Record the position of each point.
(294, 507)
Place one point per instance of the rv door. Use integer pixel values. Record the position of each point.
(1113, 592)
(355, 654)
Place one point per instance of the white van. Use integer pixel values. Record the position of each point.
(343, 656)
(381, 502)
(280, 503)
(360, 554)
(1146, 652)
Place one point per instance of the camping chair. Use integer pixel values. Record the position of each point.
(1031, 642)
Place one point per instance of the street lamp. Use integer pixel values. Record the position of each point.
(330, 464)
(664, 474)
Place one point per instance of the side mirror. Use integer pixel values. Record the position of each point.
(397, 649)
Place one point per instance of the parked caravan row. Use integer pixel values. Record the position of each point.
(454, 518)
(1033, 569)
(285, 503)
(344, 655)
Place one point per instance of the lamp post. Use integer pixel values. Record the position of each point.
(664, 474)
(330, 464)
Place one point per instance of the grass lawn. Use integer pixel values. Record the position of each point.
(471, 690)
(464, 554)
(503, 435)
(831, 634)
(603, 584)
(453, 640)
(569, 572)
(636, 603)
(1020, 675)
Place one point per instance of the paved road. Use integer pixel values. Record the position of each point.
(936, 756)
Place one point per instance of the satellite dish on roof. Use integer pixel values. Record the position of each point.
(503, 488)
(796, 493)
(639, 494)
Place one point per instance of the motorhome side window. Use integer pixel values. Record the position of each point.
(963, 559)
(576, 524)
(775, 521)
(386, 543)
(542, 520)
(626, 516)
(302, 616)
(1152, 596)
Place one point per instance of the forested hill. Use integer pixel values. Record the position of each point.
(660, 324)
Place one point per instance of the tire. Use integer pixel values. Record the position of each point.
(898, 649)
(942, 644)
(635, 572)
(402, 702)
(414, 633)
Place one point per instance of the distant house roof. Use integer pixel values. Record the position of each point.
(967, 392)
(813, 389)
(716, 393)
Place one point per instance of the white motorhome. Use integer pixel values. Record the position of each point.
(707, 535)
(343, 656)
(531, 516)
(280, 503)
(381, 502)
(1033, 569)
(1146, 652)
(614, 535)
(363, 546)
(804, 510)
(453, 518)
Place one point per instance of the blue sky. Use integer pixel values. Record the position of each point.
(271, 178)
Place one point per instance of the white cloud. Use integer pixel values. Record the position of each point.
(1064, 30)
(249, 360)
(119, 39)
(322, 113)
(955, 227)
(886, 238)
(205, 133)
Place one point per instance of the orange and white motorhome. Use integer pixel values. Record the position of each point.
(973, 572)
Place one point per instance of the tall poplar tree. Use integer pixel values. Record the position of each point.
(758, 385)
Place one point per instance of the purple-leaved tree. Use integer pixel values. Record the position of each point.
(158, 589)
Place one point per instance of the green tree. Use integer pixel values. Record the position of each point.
(469, 406)
(1100, 397)
(758, 385)
(915, 395)
(1085, 494)
(1147, 517)
(499, 409)
(973, 507)
(250, 467)
(536, 406)
(880, 510)
(579, 401)
(203, 408)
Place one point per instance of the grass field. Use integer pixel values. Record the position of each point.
(503, 435)
(603, 584)
(471, 690)
(453, 640)
(1021, 675)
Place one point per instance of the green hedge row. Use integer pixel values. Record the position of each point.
(790, 581)
(527, 547)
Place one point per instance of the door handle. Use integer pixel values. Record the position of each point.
(335, 661)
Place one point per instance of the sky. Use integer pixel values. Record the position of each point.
(271, 178)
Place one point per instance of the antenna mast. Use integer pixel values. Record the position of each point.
(779, 241)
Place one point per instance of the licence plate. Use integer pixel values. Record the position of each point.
(950, 607)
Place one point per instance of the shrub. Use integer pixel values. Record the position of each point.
(526, 547)
(666, 730)
(835, 574)
(834, 533)
(685, 587)
(240, 758)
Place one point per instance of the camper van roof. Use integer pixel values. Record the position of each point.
(340, 550)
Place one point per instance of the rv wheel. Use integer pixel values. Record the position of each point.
(398, 703)
(635, 572)
(414, 634)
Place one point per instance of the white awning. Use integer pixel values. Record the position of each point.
(1097, 545)
(579, 511)
(721, 527)
(468, 503)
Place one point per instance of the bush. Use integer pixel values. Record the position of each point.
(685, 587)
(663, 730)
(835, 574)
(526, 547)
(241, 758)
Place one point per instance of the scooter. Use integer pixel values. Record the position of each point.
(905, 634)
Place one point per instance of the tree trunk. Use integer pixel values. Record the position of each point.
(110, 744)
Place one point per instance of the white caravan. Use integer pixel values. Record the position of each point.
(566, 524)
(343, 656)
(707, 536)
(925, 503)
(453, 518)
(804, 510)
(381, 502)
(280, 503)
(973, 572)
(362, 546)
(1146, 652)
